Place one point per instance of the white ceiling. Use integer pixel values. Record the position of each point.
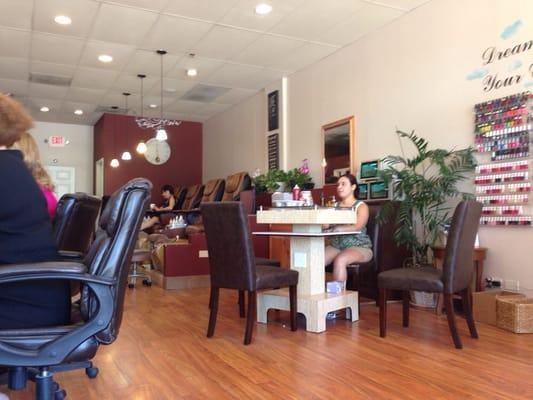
(234, 48)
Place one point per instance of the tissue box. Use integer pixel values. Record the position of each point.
(281, 196)
(334, 286)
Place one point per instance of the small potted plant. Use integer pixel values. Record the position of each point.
(271, 181)
(300, 176)
(281, 181)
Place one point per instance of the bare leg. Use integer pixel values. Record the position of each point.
(330, 253)
(348, 256)
(149, 223)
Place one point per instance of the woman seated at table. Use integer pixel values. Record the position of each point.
(344, 250)
(167, 193)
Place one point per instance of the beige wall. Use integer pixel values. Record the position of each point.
(78, 153)
(235, 141)
(411, 74)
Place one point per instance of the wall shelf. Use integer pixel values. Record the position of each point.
(503, 132)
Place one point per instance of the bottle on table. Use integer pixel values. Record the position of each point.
(296, 192)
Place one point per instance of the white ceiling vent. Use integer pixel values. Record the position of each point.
(50, 79)
(204, 93)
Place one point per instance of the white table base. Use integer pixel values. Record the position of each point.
(314, 307)
(307, 257)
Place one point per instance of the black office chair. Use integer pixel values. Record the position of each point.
(455, 277)
(73, 227)
(38, 353)
(74, 224)
(74, 221)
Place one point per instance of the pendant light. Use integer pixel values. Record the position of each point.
(114, 162)
(126, 156)
(141, 146)
(161, 133)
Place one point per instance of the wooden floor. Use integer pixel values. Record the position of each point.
(162, 353)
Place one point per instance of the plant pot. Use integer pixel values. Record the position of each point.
(423, 299)
(282, 187)
(309, 185)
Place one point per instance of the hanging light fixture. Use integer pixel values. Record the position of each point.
(157, 123)
(114, 162)
(141, 147)
(126, 156)
(161, 133)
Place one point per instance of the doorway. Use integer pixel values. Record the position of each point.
(64, 179)
(99, 177)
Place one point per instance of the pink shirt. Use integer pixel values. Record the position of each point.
(51, 201)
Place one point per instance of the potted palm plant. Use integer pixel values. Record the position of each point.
(423, 185)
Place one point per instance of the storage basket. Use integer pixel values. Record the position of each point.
(515, 314)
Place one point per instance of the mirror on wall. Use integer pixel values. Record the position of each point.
(338, 149)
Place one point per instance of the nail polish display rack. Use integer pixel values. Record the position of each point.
(504, 133)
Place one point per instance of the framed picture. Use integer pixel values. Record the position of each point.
(273, 111)
(378, 190)
(369, 169)
(273, 151)
(363, 191)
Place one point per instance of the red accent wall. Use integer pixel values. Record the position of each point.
(114, 134)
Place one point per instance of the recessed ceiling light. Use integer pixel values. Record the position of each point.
(78, 112)
(192, 72)
(263, 9)
(44, 109)
(153, 106)
(62, 20)
(105, 58)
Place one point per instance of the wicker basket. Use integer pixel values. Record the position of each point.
(515, 314)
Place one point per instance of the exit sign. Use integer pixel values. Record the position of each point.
(57, 141)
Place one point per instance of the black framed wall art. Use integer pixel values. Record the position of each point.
(273, 110)
(273, 151)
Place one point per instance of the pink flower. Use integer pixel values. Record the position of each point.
(304, 168)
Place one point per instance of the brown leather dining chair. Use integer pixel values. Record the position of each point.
(232, 263)
(455, 276)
